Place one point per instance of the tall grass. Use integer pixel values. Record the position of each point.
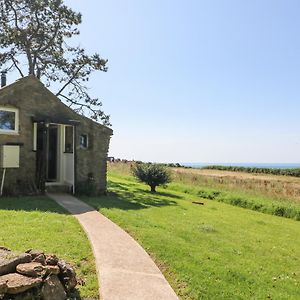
(275, 188)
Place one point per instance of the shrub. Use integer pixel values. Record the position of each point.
(151, 174)
(211, 195)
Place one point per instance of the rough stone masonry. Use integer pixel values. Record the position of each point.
(35, 276)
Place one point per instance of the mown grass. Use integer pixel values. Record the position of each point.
(39, 223)
(210, 251)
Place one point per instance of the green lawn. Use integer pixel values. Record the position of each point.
(39, 223)
(210, 251)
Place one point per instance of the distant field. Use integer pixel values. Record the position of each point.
(210, 251)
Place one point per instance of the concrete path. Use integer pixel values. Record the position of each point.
(125, 270)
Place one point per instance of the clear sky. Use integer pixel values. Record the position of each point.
(198, 81)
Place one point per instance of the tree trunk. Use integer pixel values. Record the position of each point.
(153, 188)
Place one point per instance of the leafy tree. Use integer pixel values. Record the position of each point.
(151, 174)
(34, 35)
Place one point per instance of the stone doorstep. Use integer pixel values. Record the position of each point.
(17, 283)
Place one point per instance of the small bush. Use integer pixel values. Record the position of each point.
(279, 211)
(151, 174)
(211, 195)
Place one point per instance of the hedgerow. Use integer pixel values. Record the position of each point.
(286, 172)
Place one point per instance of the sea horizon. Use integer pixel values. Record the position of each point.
(247, 165)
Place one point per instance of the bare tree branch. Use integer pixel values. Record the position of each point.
(17, 67)
(69, 81)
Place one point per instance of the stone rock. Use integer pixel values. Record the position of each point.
(9, 260)
(3, 288)
(17, 283)
(33, 269)
(52, 270)
(32, 294)
(53, 289)
(34, 253)
(51, 260)
(40, 258)
(67, 275)
(4, 248)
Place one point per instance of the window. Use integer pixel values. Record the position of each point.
(69, 139)
(9, 120)
(83, 141)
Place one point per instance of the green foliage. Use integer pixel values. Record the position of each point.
(209, 194)
(286, 172)
(151, 174)
(34, 39)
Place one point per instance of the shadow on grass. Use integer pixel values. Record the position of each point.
(121, 195)
(128, 196)
(30, 204)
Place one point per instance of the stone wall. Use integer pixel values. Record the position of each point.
(94, 158)
(35, 276)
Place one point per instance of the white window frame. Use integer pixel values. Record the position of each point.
(16, 111)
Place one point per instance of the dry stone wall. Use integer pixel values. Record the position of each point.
(35, 276)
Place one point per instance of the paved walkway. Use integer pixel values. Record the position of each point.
(125, 270)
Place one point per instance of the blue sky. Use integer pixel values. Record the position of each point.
(198, 81)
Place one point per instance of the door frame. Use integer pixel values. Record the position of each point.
(64, 159)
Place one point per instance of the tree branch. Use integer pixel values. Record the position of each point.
(16, 66)
(69, 81)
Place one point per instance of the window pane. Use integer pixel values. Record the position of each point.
(69, 139)
(7, 120)
(83, 141)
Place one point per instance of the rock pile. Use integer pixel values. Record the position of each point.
(34, 276)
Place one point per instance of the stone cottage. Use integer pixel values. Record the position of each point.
(56, 148)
